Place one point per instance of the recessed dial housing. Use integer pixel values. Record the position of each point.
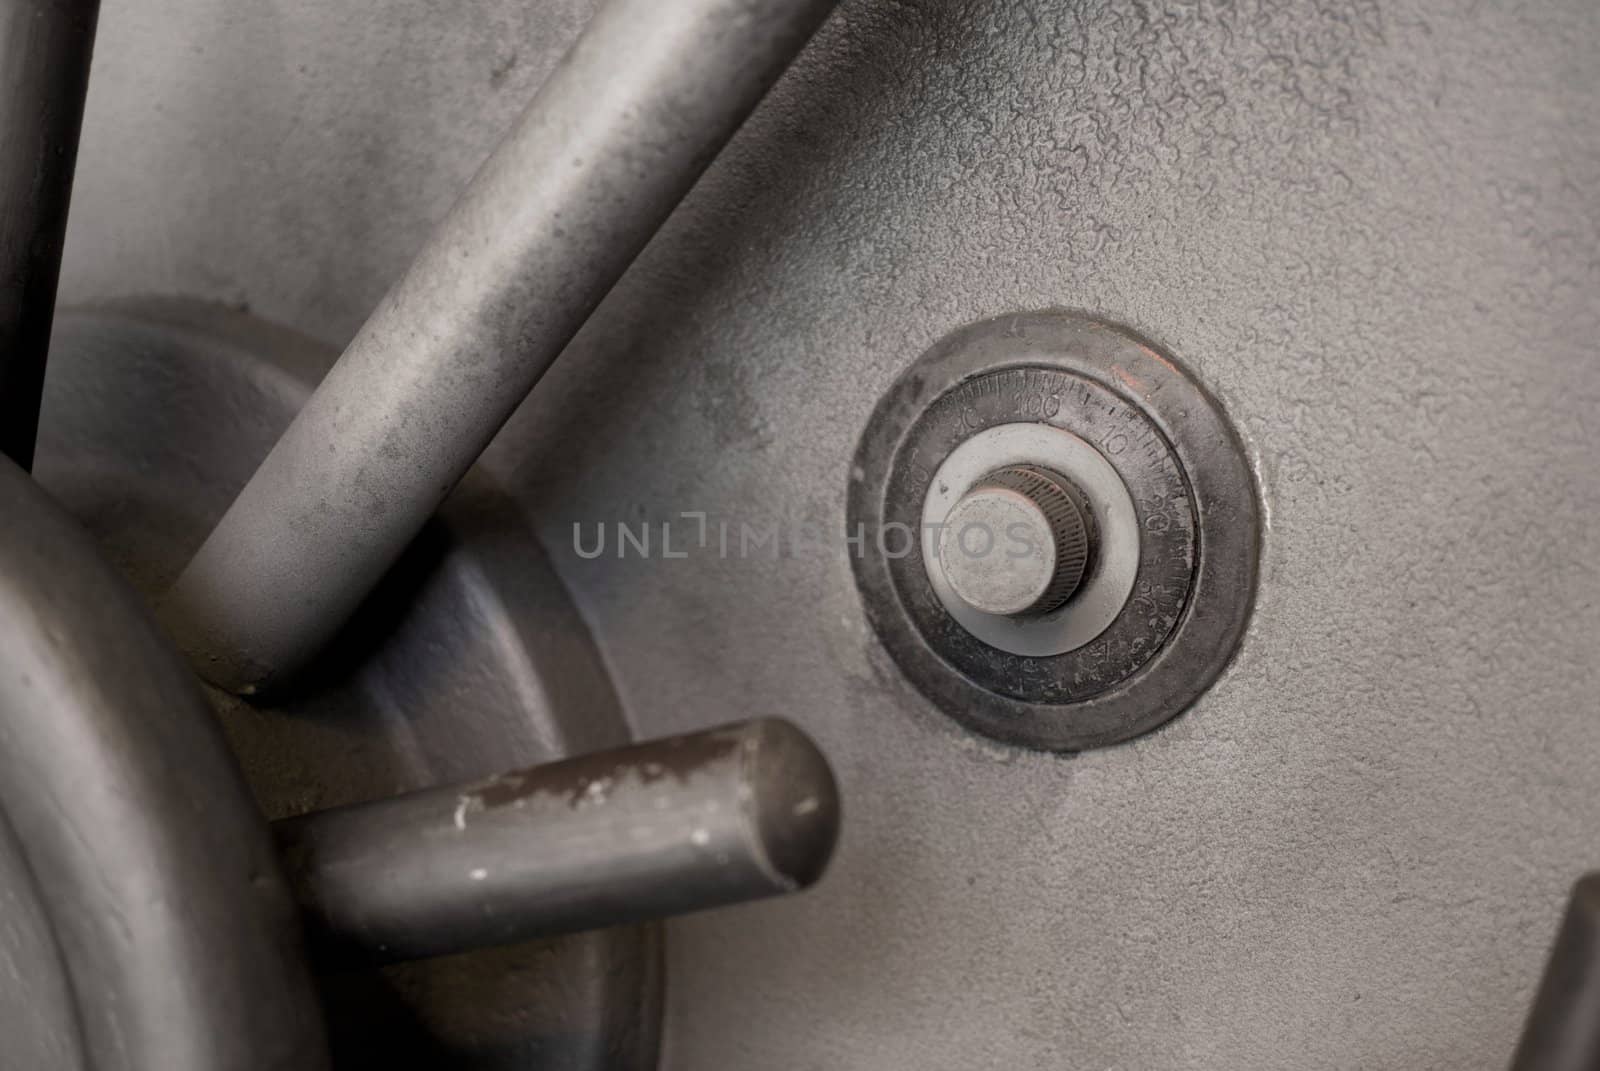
(1088, 531)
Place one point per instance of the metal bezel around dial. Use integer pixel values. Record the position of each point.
(1194, 500)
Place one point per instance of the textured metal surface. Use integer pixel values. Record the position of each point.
(1369, 227)
(163, 894)
(44, 71)
(613, 140)
(469, 658)
(661, 828)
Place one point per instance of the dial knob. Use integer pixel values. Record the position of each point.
(1018, 543)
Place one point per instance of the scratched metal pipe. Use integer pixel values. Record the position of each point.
(613, 140)
(643, 832)
(44, 73)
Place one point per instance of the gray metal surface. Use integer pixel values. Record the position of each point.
(44, 71)
(656, 829)
(163, 895)
(36, 1001)
(1370, 227)
(613, 140)
(469, 658)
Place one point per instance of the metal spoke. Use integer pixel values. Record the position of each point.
(613, 140)
(44, 72)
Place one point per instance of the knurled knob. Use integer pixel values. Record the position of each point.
(1018, 542)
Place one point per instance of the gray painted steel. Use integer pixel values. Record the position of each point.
(163, 895)
(469, 659)
(44, 71)
(37, 1006)
(643, 832)
(614, 138)
(1370, 227)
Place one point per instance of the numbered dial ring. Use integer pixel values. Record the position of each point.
(1159, 611)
